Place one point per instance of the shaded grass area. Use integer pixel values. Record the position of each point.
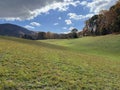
(33, 65)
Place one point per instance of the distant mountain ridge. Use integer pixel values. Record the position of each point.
(8, 29)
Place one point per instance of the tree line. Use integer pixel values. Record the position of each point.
(50, 35)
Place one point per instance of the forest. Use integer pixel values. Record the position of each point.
(106, 22)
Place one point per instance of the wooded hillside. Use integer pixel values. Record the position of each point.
(107, 22)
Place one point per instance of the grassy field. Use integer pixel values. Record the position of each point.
(105, 46)
(90, 63)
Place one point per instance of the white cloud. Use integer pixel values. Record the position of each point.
(71, 28)
(59, 18)
(97, 5)
(29, 9)
(79, 17)
(84, 3)
(32, 25)
(64, 28)
(56, 24)
(66, 32)
(29, 27)
(68, 22)
(11, 18)
(35, 24)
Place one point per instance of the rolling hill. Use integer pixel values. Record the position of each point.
(13, 30)
(76, 64)
(104, 46)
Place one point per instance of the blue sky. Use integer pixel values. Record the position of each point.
(58, 16)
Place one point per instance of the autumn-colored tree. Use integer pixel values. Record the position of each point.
(107, 22)
(112, 18)
(116, 24)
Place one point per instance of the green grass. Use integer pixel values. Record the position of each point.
(59, 64)
(104, 46)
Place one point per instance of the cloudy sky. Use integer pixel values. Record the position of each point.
(51, 15)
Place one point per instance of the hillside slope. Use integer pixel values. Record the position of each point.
(13, 30)
(105, 46)
(34, 65)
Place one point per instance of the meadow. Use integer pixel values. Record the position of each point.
(88, 63)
